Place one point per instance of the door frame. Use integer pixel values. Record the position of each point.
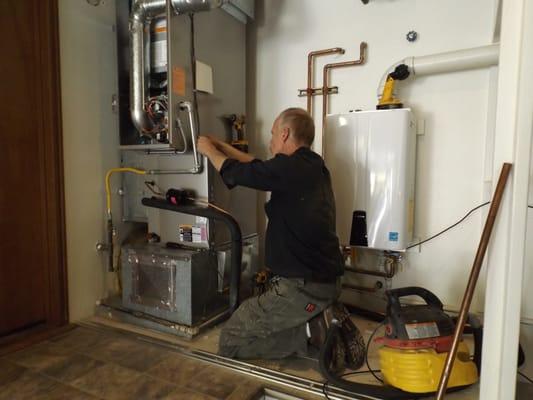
(50, 141)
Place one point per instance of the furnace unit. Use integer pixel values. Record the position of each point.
(181, 71)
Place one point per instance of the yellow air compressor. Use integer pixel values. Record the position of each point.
(416, 342)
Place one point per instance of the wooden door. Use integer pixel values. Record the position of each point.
(32, 245)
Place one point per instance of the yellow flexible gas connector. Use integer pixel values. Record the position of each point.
(108, 185)
(111, 234)
(387, 98)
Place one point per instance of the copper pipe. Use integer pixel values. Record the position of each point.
(474, 274)
(310, 83)
(325, 80)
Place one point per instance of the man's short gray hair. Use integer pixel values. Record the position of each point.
(300, 124)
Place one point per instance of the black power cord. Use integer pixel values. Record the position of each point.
(524, 375)
(450, 227)
(367, 350)
(326, 384)
(367, 371)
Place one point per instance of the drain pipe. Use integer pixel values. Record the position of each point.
(452, 61)
(142, 14)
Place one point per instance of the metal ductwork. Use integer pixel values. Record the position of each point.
(188, 6)
(142, 13)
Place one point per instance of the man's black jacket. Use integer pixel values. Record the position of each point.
(300, 240)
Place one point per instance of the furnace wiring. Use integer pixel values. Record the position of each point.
(152, 186)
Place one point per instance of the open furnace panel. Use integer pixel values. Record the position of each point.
(181, 73)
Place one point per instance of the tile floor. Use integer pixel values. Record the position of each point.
(301, 367)
(107, 363)
(87, 364)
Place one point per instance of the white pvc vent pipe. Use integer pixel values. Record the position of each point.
(458, 60)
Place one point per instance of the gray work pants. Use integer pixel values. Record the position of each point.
(272, 325)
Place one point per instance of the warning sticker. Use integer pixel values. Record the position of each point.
(422, 330)
(199, 234)
(186, 233)
(193, 233)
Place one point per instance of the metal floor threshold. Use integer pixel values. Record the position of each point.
(279, 378)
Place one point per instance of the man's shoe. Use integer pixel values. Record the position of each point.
(354, 344)
(338, 356)
(319, 326)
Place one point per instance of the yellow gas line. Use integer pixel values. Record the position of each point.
(108, 185)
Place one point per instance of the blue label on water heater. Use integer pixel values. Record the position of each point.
(393, 236)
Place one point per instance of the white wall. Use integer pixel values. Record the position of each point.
(454, 106)
(453, 161)
(88, 79)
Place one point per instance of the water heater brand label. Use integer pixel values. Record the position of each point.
(393, 236)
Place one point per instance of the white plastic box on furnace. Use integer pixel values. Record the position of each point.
(371, 157)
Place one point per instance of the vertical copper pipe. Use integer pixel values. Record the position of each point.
(474, 274)
(310, 83)
(325, 80)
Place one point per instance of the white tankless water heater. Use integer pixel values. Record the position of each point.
(371, 157)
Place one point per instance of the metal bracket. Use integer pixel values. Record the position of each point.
(114, 103)
(318, 91)
(101, 247)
